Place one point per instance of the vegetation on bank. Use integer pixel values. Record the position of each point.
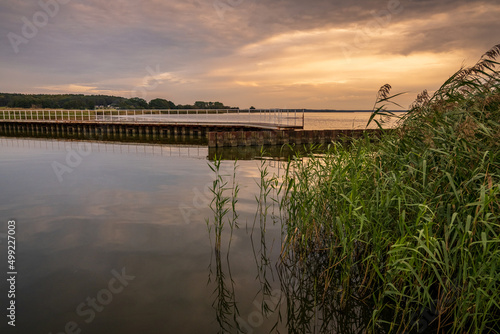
(409, 225)
(80, 101)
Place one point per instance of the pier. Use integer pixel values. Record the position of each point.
(215, 128)
(265, 119)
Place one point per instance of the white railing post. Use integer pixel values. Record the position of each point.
(37, 115)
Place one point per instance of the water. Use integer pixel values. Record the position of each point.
(343, 120)
(120, 208)
(113, 238)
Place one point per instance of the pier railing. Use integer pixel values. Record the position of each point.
(265, 118)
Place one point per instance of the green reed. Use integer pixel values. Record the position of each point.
(260, 248)
(410, 224)
(224, 211)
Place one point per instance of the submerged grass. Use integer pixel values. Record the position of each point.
(410, 224)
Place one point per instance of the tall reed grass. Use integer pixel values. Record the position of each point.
(408, 225)
(396, 235)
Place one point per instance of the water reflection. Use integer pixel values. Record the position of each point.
(124, 206)
(193, 151)
(280, 153)
(117, 208)
(131, 206)
(271, 153)
(294, 295)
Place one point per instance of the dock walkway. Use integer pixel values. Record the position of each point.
(267, 119)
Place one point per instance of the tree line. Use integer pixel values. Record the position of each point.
(80, 101)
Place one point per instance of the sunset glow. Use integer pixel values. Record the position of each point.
(284, 54)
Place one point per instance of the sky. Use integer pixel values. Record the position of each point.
(316, 54)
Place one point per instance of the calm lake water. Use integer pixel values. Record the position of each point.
(113, 238)
(343, 120)
(116, 241)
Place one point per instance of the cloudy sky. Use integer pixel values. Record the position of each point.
(269, 54)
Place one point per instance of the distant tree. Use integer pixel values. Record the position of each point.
(210, 105)
(218, 105)
(3, 100)
(80, 101)
(252, 108)
(138, 103)
(161, 104)
(185, 106)
(201, 105)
